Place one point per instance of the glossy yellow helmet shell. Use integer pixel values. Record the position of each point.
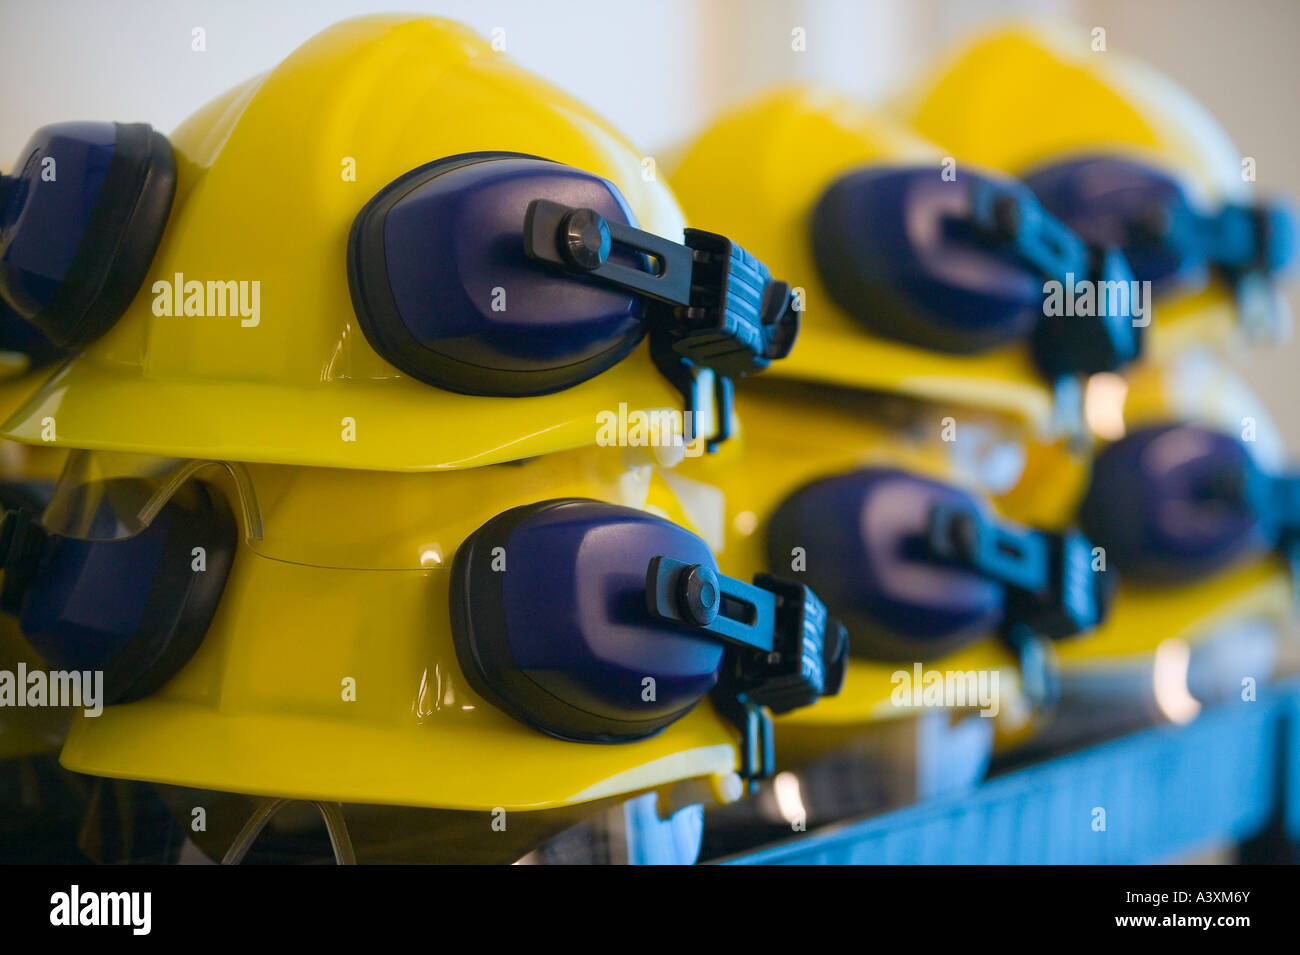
(270, 178)
(792, 435)
(329, 672)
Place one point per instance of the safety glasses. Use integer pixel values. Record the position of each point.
(960, 266)
(1170, 239)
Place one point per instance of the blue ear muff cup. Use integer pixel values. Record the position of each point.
(862, 535)
(1174, 504)
(134, 608)
(119, 243)
(423, 301)
(890, 248)
(1107, 199)
(561, 638)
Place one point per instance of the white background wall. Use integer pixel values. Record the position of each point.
(658, 70)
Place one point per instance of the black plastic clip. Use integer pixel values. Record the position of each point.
(1105, 340)
(1052, 590)
(784, 650)
(715, 306)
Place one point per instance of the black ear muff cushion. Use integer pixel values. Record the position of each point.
(121, 238)
(182, 600)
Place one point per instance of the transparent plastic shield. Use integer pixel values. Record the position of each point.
(105, 496)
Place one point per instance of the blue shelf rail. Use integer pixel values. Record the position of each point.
(1165, 792)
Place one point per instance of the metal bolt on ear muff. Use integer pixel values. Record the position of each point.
(1007, 218)
(586, 240)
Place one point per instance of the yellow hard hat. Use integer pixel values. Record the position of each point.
(1196, 514)
(361, 660)
(1124, 156)
(908, 282)
(287, 297)
(1168, 647)
(816, 467)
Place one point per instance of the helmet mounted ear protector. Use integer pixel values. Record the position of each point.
(597, 623)
(1168, 240)
(80, 220)
(77, 242)
(1176, 503)
(959, 265)
(544, 281)
(136, 608)
(918, 568)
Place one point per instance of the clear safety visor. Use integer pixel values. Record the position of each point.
(109, 496)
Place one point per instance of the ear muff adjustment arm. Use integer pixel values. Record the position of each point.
(1052, 590)
(785, 650)
(1067, 344)
(1049, 577)
(715, 306)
